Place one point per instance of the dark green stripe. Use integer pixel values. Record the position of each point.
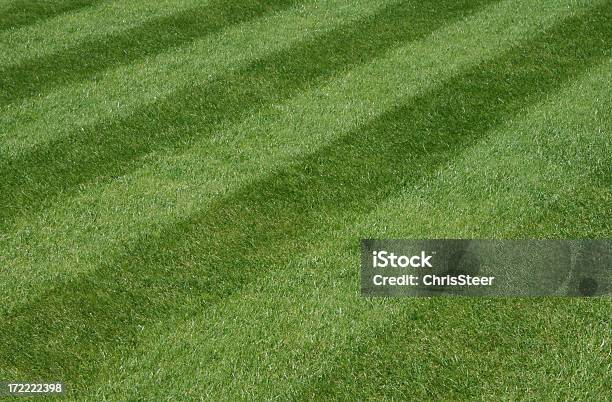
(87, 60)
(214, 253)
(469, 344)
(28, 12)
(112, 149)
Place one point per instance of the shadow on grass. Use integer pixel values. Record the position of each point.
(111, 149)
(204, 259)
(28, 12)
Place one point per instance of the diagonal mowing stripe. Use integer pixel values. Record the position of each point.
(89, 59)
(126, 88)
(86, 24)
(26, 12)
(482, 195)
(114, 148)
(79, 232)
(194, 263)
(308, 322)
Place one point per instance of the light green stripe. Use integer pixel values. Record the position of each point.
(174, 186)
(122, 90)
(292, 325)
(90, 23)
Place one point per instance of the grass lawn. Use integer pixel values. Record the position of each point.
(184, 186)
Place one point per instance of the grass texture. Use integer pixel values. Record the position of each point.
(183, 194)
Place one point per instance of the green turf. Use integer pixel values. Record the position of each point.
(183, 197)
(20, 13)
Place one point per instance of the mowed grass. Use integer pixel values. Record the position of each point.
(182, 200)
